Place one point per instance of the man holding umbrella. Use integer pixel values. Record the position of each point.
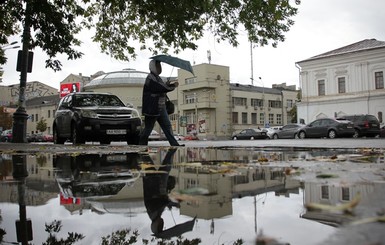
(154, 104)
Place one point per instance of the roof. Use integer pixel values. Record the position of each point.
(364, 45)
(48, 100)
(251, 88)
(128, 76)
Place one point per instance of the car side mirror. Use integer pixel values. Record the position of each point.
(129, 105)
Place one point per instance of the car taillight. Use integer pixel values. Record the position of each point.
(366, 124)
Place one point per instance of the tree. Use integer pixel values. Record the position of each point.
(159, 26)
(5, 118)
(41, 125)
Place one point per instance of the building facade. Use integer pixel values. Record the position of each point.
(206, 103)
(214, 108)
(348, 80)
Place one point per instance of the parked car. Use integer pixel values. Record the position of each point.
(91, 116)
(382, 132)
(179, 137)
(191, 137)
(250, 134)
(6, 135)
(327, 127)
(154, 135)
(289, 131)
(47, 138)
(364, 125)
(269, 132)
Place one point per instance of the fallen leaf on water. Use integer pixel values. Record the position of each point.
(369, 220)
(326, 176)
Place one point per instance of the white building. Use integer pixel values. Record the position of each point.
(347, 80)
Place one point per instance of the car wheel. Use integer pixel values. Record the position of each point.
(356, 133)
(56, 138)
(235, 138)
(301, 135)
(332, 134)
(76, 137)
(275, 136)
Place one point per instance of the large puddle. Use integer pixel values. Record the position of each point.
(216, 195)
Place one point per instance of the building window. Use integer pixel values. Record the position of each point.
(275, 104)
(324, 192)
(341, 85)
(235, 117)
(289, 103)
(271, 118)
(321, 87)
(380, 116)
(257, 102)
(379, 79)
(279, 119)
(190, 80)
(239, 101)
(49, 113)
(244, 117)
(262, 118)
(37, 117)
(32, 118)
(253, 118)
(345, 194)
(190, 98)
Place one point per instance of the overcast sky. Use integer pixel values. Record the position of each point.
(320, 26)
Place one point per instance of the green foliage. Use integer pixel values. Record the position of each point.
(41, 125)
(54, 228)
(158, 26)
(293, 114)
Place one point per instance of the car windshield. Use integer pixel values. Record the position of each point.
(97, 100)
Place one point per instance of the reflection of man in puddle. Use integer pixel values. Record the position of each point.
(156, 187)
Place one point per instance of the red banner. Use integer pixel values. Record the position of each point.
(67, 88)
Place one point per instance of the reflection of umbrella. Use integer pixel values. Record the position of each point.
(174, 61)
(177, 230)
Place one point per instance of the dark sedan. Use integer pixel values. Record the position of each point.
(289, 131)
(327, 127)
(250, 134)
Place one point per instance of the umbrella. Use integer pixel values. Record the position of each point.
(177, 230)
(174, 61)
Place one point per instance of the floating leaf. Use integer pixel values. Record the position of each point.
(327, 176)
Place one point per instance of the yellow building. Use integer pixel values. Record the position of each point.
(206, 102)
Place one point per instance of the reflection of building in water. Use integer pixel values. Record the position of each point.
(40, 184)
(247, 181)
(334, 195)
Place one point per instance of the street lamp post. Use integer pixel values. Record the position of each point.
(19, 129)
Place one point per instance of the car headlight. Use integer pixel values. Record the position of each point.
(135, 113)
(89, 114)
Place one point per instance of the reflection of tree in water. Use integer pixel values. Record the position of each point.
(41, 160)
(2, 231)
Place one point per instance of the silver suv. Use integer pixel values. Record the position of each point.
(89, 116)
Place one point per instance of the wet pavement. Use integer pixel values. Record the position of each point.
(228, 190)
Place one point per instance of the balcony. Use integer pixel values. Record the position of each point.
(198, 85)
(198, 105)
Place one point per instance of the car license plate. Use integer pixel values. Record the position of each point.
(116, 158)
(116, 131)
